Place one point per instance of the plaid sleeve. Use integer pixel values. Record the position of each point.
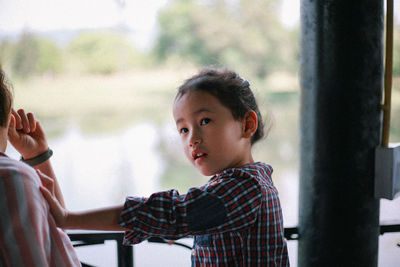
(224, 204)
(162, 214)
(241, 197)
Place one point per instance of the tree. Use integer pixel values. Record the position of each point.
(245, 35)
(31, 55)
(50, 58)
(25, 56)
(179, 34)
(102, 52)
(6, 51)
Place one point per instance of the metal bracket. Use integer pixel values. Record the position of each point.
(387, 172)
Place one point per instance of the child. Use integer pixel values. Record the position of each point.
(28, 234)
(235, 218)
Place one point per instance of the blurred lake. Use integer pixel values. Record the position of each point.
(101, 170)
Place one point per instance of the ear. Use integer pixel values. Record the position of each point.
(250, 124)
(4, 136)
(9, 119)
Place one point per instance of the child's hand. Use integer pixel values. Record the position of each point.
(59, 213)
(26, 134)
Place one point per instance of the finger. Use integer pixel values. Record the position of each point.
(31, 121)
(17, 119)
(46, 193)
(24, 120)
(49, 197)
(56, 210)
(39, 130)
(46, 181)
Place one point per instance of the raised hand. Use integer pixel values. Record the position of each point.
(26, 134)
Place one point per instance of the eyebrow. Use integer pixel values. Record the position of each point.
(201, 110)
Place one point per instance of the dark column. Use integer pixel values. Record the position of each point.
(341, 81)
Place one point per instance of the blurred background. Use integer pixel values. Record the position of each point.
(102, 75)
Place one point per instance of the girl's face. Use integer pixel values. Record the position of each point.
(212, 139)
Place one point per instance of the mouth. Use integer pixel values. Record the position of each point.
(198, 155)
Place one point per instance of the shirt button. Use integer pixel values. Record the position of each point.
(193, 252)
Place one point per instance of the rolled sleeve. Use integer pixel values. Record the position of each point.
(127, 220)
(128, 214)
(162, 214)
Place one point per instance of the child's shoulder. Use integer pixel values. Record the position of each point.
(257, 173)
(256, 169)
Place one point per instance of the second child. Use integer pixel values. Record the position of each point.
(236, 217)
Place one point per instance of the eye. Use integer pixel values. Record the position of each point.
(183, 130)
(205, 121)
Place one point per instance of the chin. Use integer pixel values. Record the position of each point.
(207, 172)
(204, 171)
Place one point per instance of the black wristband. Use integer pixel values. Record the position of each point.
(38, 159)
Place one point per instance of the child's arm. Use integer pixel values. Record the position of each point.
(100, 219)
(26, 134)
(225, 205)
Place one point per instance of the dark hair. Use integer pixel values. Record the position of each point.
(230, 89)
(5, 99)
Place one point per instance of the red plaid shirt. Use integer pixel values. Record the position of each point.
(235, 218)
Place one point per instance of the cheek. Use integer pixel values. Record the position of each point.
(186, 150)
(236, 130)
(230, 133)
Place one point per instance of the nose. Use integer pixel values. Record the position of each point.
(195, 138)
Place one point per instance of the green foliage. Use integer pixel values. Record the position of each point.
(6, 50)
(50, 58)
(30, 55)
(178, 34)
(245, 35)
(102, 52)
(25, 56)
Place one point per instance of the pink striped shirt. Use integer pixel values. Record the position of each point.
(28, 233)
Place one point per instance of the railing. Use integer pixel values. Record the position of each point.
(125, 253)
